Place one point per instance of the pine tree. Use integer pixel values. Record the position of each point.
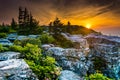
(27, 24)
(57, 26)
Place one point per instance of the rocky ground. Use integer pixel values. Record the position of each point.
(91, 53)
(95, 53)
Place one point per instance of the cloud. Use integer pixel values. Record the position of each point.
(46, 10)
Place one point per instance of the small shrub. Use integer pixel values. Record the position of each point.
(63, 42)
(25, 41)
(31, 52)
(3, 35)
(97, 76)
(5, 29)
(16, 48)
(46, 39)
(2, 49)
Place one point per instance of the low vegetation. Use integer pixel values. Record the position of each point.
(46, 39)
(97, 76)
(29, 40)
(43, 66)
(3, 35)
(61, 41)
(2, 48)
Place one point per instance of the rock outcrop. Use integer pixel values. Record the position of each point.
(95, 53)
(107, 50)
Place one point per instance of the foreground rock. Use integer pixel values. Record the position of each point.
(9, 55)
(69, 75)
(15, 69)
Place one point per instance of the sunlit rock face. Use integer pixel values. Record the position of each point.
(78, 40)
(106, 49)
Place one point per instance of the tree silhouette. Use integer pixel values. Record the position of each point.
(27, 24)
(50, 27)
(14, 24)
(57, 25)
(68, 24)
(33, 25)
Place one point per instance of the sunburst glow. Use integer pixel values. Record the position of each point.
(88, 26)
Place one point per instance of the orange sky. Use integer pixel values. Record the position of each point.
(102, 15)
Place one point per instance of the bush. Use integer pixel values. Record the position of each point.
(25, 41)
(32, 52)
(5, 29)
(97, 76)
(63, 42)
(3, 35)
(46, 39)
(16, 48)
(2, 49)
(43, 66)
(43, 69)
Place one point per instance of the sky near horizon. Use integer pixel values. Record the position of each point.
(102, 15)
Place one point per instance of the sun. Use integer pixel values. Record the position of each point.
(88, 26)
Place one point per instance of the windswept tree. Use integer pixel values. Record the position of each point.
(27, 24)
(55, 26)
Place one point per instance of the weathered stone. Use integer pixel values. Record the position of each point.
(106, 48)
(69, 75)
(82, 60)
(70, 59)
(16, 69)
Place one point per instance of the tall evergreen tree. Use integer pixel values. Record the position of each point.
(27, 24)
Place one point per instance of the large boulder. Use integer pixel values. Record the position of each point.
(16, 69)
(70, 59)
